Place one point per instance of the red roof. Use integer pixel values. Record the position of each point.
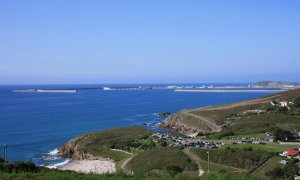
(292, 152)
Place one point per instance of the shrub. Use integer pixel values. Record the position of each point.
(172, 170)
(25, 167)
(149, 145)
(281, 135)
(163, 143)
(282, 109)
(222, 171)
(289, 171)
(225, 134)
(19, 167)
(248, 149)
(241, 158)
(297, 102)
(144, 137)
(276, 173)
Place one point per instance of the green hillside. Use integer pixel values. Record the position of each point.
(28, 171)
(241, 117)
(104, 143)
(161, 159)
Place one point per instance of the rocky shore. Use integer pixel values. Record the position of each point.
(82, 161)
(71, 150)
(185, 124)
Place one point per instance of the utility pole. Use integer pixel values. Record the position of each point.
(208, 161)
(5, 153)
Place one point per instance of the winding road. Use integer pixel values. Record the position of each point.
(210, 124)
(194, 157)
(125, 163)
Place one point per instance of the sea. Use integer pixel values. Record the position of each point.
(34, 125)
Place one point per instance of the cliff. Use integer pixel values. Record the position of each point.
(189, 124)
(111, 144)
(72, 150)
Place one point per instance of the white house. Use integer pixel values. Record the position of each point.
(284, 104)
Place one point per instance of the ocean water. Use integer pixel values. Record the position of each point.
(33, 125)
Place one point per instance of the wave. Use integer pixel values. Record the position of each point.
(49, 158)
(53, 166)
(142, 115)
(53, 152)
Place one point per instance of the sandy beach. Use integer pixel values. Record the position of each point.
(87, 166)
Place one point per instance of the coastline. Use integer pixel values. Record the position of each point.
(228, 90)
(95, 110)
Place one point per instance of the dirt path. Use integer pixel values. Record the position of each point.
(119, 150)
(210, 124)
(125, 163)
(194, 157)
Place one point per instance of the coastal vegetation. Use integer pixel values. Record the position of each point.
(13, 171)
(260, 115)
(269, 166)
(116, 144)
(170, 159)
(272, 148)
(286, 172)
(245, 158)
(271, 119)
(139, 155)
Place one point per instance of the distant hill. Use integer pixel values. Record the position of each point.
(273, 84)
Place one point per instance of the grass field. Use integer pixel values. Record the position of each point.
(272, 148)
(255, 135)
(160, 159)
(243, 158)
(265, 122)
(67, 175)
(217, 168)
(245, 124)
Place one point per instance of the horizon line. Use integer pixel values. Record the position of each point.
(9, 84)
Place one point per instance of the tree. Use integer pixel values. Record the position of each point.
(25, 166)
(174, 169)
(276, 173)
(297, 102)
(281, 135)
(291, 169)
(288, 172)
(163, 143)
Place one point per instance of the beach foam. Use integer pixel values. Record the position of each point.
(53, 166)
(54, 152)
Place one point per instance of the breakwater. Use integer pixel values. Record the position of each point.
(228, 90)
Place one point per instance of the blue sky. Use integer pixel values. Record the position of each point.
(46, 42)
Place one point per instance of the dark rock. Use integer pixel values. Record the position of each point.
(163, 114)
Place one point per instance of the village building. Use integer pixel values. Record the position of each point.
(290, 153)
